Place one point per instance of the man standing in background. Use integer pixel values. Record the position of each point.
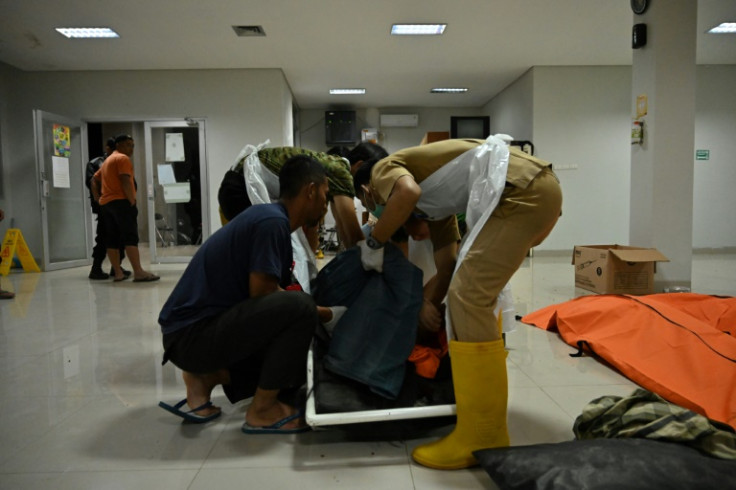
(99, 252)
(114, 183)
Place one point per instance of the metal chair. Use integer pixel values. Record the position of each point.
(164, 232)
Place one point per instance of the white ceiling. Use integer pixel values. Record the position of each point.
(323, 44)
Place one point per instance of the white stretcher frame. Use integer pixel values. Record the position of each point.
(315, 419)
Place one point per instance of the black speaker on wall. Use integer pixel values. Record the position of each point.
(340, 128)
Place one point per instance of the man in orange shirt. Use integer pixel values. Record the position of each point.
(114, 186)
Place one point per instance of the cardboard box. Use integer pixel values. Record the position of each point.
(616, 269)
(432, 136)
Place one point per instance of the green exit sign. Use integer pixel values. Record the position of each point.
(702, 154)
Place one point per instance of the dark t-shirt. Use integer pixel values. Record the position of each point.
(217, 278)
(92, 167)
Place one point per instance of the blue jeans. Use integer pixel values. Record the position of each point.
(373, 339)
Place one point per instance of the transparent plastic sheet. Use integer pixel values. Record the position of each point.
(305, 263)
(247, 150)
(261, 184)
(421, 254)
(486, 181)
(256, 175)
(471, 183)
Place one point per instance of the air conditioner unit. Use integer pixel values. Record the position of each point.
(399, 120)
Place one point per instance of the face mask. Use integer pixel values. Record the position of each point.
(375, 208)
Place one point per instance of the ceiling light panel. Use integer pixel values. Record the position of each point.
(87, 32)
(724, 28)
(347, 91)
(448, 90)
(417, 29)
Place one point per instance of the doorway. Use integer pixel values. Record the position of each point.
(178, 197)
(60, 162)
(173, 197)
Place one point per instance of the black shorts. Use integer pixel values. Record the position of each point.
(262, 342)
(121, 224)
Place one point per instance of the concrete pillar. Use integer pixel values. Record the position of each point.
(662, 167)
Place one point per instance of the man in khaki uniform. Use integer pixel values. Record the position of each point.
(433, 182)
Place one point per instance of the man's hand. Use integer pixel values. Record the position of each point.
(430, 318)
(95, 187)
(372, 258)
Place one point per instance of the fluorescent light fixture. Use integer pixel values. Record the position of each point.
(417, 29)
(448, 90)
(724, 28)
(347, 91)
(87, 32)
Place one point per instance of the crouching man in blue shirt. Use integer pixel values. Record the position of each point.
(230, 321)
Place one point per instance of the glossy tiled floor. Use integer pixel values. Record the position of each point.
(80, 379)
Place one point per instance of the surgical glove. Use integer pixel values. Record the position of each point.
(371, 258)
(337, 313)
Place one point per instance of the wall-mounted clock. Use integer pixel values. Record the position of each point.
(639, 6)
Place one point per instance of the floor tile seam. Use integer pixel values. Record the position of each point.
(574, 417)
(531, 378)
(223, 428)
(411, 467)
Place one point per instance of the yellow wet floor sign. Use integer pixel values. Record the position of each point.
(14, 243)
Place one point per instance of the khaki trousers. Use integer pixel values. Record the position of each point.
(522, 220)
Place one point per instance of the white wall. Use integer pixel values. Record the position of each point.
(4, 95)
(576, 117)
(240, 106)
(512, 110)
(714, 220)
(582, 120)
(581, 117)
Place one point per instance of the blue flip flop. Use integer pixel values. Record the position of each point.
(190, 416)
(275, 428)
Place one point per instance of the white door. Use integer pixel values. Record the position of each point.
(178, 193)
(61, 156)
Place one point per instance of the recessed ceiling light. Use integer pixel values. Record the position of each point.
(346, 91)
(87, 32)
(448, 90)
(417, 29)
(724, 28)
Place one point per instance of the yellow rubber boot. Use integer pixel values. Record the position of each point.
(481, 395)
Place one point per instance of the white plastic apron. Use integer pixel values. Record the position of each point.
(471, 183)
(262, 186)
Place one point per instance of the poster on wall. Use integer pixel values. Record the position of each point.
(61, 172)
(62, 141)
(166, 174)
(174, 147)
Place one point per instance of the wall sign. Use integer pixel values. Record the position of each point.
(702, 154)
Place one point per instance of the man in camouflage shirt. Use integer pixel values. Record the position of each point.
(233, 197)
